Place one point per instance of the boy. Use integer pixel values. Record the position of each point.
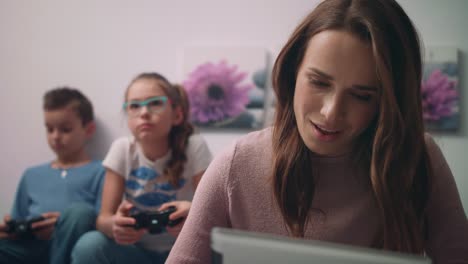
(65, 192)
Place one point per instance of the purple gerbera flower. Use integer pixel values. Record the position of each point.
(216, 92)
(438, 96)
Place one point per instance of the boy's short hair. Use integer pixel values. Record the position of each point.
(61, 97)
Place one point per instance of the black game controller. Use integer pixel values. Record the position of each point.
(22, 227)
(155, 221)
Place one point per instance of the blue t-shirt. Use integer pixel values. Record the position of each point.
(46, 189)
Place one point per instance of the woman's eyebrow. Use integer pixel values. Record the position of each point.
(320, 73)
(365, 88)
(326, 76)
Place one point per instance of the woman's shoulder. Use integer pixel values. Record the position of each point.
(262, 137)
(429, 139)
(255, 144)
(435, 153)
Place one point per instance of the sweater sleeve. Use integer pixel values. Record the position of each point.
(447, 240)
(209, 209)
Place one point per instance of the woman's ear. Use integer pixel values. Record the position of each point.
(178, 116)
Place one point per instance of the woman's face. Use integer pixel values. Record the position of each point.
(336, 96)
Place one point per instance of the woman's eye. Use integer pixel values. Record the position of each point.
(319, 83)
(363, 97)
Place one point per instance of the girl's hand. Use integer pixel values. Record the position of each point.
(122, 226)
(43, 229)
(182, 210)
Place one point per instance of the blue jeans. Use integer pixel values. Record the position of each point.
(73, 222)
(24, 251)
(94, 247)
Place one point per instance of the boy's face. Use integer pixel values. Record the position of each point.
(66, 134)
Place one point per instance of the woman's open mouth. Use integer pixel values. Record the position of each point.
(325, 134)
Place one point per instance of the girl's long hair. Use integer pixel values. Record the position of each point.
(179, 134)
(392, 149)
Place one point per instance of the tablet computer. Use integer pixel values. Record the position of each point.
(231, 246)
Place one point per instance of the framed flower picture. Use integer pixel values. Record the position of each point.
(226, 86)
(439, 89)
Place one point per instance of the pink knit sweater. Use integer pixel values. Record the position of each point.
(236, 192)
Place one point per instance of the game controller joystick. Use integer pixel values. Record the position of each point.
(155, 221)
(22, 227)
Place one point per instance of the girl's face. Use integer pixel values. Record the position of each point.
(336, 96)
(147, 125)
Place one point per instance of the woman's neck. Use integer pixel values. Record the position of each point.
(155, 149)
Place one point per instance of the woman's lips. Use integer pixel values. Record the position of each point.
(324, 133)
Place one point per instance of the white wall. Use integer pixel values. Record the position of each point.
(98, 46)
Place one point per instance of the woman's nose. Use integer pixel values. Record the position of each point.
(333, 108)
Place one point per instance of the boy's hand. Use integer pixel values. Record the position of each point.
(43, 229)
(122, 226)
(4, 228)
(182, 210)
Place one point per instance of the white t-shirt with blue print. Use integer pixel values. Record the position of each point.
(145, 185)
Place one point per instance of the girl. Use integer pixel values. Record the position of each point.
(347, 159)
(160, 166)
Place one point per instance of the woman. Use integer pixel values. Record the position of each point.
(347, 159)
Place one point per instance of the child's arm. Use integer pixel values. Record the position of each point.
(100, 186)
(183, 208)
(20, 209)
(123, 229)
(112, 193)
(210, 207)
(3, 228)
(114, 220)
(43, 229)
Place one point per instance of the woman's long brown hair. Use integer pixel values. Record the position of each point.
(179, 134)
(392, 149)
